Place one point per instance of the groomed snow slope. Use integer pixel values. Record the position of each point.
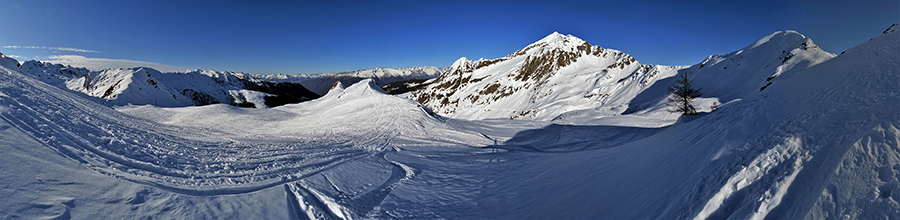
(821, 142)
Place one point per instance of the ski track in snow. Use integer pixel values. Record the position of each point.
(159, 155)
(205, 161)
(774, 154)
(775, 159)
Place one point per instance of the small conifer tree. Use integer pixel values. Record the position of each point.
(682, 94)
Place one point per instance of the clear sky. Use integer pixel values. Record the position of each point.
(334, 36)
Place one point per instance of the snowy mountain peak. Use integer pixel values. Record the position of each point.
(562, 77)
(531, 81)
(787, 38)
(757, 66)
(558, 41)
(145, 85)
(462, 61)
(555, 36)
(461, 65)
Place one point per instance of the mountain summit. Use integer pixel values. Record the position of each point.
(144, 85)
(562, 77)
(556, 74)
(556, 39)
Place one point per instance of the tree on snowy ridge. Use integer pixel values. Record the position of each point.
(682, 94)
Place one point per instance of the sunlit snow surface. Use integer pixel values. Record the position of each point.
(821, 143)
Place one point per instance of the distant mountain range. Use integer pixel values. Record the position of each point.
(559, 78)
(800, 134)
(144, 85)
(321, 83)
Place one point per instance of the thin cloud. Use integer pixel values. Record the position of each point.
(64, 49)
(103, 63)
(17, 57)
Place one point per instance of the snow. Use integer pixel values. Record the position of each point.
(321, 83)
(821, 141)
(460, 63)
(557, 40)
(605, 83)
(143, 85)
(797, 130)
(758, 168)
(7, 61)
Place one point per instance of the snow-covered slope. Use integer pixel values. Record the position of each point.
(820, 143)
(363, 105)
(321, 83)
(8, 62)
(564, 78)
(207, 161)
(749, 70)
(135, 86)
(817, 143)
(142, 85)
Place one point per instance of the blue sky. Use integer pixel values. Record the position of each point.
(334, 36)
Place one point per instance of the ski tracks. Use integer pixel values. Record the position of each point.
(308, 202)
(109, 142)
(206, 161)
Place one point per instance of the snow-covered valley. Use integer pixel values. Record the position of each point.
(799, 133)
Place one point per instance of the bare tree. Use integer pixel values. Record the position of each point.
(681, 94)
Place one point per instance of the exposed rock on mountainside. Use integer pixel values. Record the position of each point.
(142, 85)
(562, 77)
(320, 83)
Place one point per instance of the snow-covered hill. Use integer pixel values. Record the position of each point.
(564, 78)
(821, 142)
(235, 160)
(143, 85)
(320, 83)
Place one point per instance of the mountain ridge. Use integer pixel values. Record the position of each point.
(144, 85)
(321, 83)
(561, 77)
